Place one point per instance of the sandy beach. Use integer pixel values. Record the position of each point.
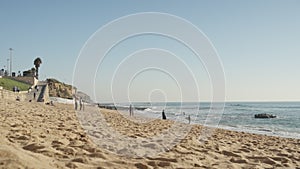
(34, 135)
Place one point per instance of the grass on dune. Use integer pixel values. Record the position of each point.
(8, 84)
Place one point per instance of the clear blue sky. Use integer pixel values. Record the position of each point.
(257, 41)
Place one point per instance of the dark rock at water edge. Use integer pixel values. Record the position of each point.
(140, 108)
(264, 116)
(107, 106)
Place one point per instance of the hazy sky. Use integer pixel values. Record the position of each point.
(258, 43)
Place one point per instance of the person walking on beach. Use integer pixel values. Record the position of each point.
(189, 119)
(130, 110)
(75, 103)
(164, 115)
(80, 103)
(34, 95)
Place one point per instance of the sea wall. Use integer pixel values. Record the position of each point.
(10, 95)
(61, 100)
(46, 94)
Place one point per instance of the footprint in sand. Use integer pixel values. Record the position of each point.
(245, 150)
(281, 159)
(228, 153)
(19, 138)
(265, 160)
(239, 160)
(33, 147)
(141, 166)
(66, 150)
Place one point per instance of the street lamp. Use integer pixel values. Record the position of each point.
(4, 70)
(7, 67)
(10, 49)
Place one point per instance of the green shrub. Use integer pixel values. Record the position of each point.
(8, 84)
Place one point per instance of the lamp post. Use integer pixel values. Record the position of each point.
(10, 49)
(7, 68)
(4, 70)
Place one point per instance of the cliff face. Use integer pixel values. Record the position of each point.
(86, 98)
(59, 89)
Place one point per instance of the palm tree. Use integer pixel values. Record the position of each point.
(37, 62)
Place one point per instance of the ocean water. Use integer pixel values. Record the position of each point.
(237, 116)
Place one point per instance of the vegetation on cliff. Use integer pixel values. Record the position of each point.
(8, 84)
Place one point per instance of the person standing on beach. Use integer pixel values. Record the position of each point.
(75, 103)
(189, 119)
(164, 115)
(34, 95)
(130, 110)
(80, 103)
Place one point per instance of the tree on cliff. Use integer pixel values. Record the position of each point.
(37, 62)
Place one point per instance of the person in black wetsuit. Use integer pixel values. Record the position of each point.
(164, 115)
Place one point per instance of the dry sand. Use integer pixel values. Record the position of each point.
(34, 135)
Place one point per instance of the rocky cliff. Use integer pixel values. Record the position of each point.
(86, 98)
(59, 89)
(62, 90)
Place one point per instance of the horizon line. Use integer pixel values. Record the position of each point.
(227, 101)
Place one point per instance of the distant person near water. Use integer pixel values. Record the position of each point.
(189, 119)
(130, 110)
(164, 115)
(80, 104)
(75, 103)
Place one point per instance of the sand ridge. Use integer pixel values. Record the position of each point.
(34, 135)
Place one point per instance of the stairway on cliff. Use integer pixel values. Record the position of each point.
(41, 91)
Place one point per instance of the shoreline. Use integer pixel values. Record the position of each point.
(236, 117)
(170, 121)
(35, 135)
(144, 119)
(265, 132)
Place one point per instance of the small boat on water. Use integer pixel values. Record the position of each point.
(264, 116)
